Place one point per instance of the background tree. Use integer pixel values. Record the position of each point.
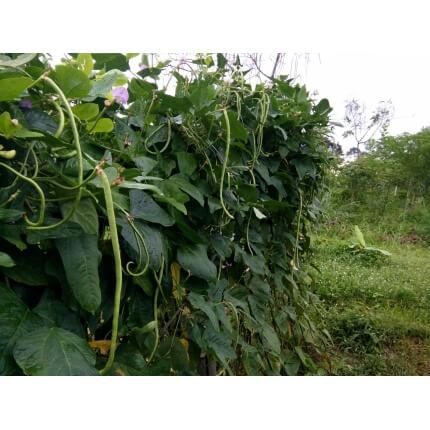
(362, 127)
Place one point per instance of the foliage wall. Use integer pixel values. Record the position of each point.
(152, 231)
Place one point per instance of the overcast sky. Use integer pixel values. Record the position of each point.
(404, 79)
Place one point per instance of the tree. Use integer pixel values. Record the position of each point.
(363, 128)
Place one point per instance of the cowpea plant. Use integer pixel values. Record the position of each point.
(145, 231)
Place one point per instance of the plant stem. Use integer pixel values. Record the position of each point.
(38, 189)
(79, 156)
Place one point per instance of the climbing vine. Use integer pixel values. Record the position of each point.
(153, 221)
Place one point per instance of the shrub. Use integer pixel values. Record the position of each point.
(148, 233)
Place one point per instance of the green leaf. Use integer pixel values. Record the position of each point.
(270, 338)
(6, 260)
(199, 302)
(10, 214)
(189, 188)
(28, 268)
(103, 84)
(85, 61)
(144, 207)
(103, 125)
(187, 163)
(237, 130)
(153, 241)
(73, 82)
(7, 127)
(359, 236)
(219, 344)
(55, 314)
(202, 95)
(12, 88)
(40, 121)
(81, 257)
(20, 60)
(291, 363)
(15, 321)
(54, 352)
(323, 107)
(145, 164)
(68, 229)
(304, 166)
(85, 215)
(195, 260)
(110, 61)
(86, 111)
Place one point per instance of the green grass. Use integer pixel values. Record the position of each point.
(377, 310)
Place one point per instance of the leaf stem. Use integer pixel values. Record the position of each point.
(38, 189)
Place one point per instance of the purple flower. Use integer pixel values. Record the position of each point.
(25, 104)
(120, 94)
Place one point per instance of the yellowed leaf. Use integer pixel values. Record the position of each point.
(185, 343)
(102, 346)
(175, 270)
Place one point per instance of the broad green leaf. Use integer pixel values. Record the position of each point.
(144, 207)
(237, 130)
(38, 120)
(85, 215)
(167, 103)
(202, 95)
(270, 338)
(6, 260)
(248, 192)
(188, 188)
(20, 60)
(103, 84)
(73, 82)
(145, 164)
(187, 163)
(291, 363)
(153, 241)
(359, 236)
(304, 166)
(219, 344)
(141, 88)
(195, 259)
(199, 302)
(54, 352)
(110, 61)
(12, 233)
(68, 229)
(103, 125)
(7, 127)
(11, 88)
(10, 214)
(81, 257)
(85, 61)
(15, 321)
(323, 107)
(130, 361)
(56, 314)
(28, 268)
(86, 111)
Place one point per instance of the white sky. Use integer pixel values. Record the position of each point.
(402, 78)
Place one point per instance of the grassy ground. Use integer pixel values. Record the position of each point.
(376, 310)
